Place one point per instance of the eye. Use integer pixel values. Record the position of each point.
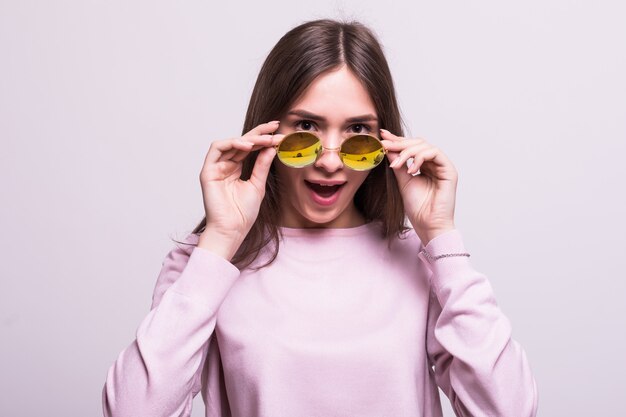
(304, 125)
(360, 128)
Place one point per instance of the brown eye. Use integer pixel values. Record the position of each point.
(304, 125)
(359, 128)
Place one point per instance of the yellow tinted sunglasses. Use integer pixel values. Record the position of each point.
(359, 152)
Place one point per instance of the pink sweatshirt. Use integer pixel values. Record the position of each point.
(340, 324)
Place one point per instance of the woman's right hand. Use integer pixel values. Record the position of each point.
(231, 204)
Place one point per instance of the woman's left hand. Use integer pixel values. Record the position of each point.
(429, 197)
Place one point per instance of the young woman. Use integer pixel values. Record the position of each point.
(304, 292)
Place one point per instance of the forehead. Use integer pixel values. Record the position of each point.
(336, 95)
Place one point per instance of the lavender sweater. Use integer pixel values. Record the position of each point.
(340, 324)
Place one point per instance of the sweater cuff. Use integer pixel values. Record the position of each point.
(206, 277)
(445, 268)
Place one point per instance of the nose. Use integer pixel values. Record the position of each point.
(329, 158)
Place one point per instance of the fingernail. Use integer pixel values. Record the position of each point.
(384, 130)
(275, 121)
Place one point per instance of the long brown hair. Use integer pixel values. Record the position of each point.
(299, 57)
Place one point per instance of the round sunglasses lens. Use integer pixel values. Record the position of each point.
(362, 152)
(298, 149)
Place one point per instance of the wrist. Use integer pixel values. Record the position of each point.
(222, 244)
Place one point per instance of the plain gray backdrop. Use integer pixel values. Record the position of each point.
(107, 109)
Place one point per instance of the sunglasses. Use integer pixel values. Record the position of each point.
(359, 152)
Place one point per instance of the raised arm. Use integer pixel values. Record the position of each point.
(160, 372)
(482, 370)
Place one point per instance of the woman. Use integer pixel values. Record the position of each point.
(302, 293)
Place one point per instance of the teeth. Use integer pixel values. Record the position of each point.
(317, 184)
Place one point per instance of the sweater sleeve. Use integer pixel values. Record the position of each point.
(159, 373)
(480, 368)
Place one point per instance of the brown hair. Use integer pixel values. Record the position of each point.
(299, 57)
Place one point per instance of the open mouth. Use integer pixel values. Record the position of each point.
(325, 191)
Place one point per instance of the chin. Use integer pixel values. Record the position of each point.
(315, 218)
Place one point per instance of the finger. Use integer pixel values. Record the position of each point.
(420, 159)
(263, 141)
(264, 128)
(219, 170)
(262, 168)
(238, 150)
(385, 134)
(227, 144)
(218, 148)
(221, 150)
(416, 164)
(404, 175)
(397, 146)
(407, 153)
(256, 142)
(239, 154)
(433, 155)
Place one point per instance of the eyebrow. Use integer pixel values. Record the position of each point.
(356, 119)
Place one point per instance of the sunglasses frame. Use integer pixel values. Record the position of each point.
(330, 149)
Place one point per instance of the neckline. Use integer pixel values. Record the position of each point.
(329, 231)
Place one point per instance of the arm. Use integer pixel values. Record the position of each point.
(159, 373)
(482, 370)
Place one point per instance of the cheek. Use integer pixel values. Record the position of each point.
(357, 179)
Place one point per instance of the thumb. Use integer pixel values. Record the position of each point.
(262, 168)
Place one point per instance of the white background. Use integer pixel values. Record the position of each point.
(107, 109)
